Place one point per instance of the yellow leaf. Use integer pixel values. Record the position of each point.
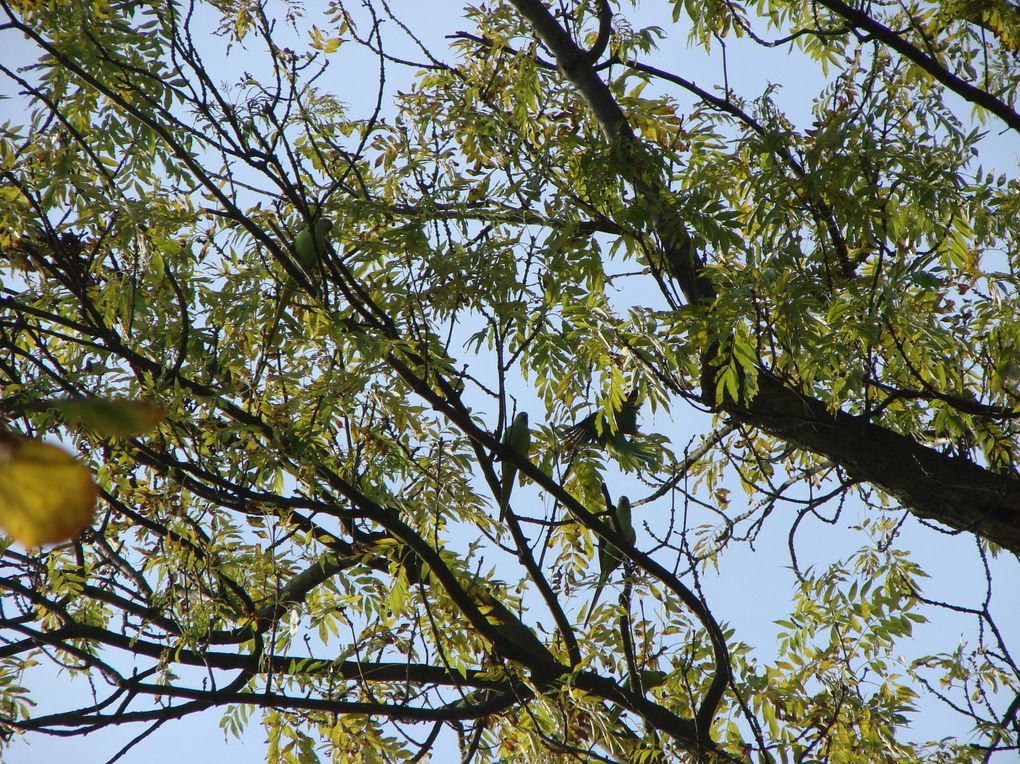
(46, 495)
(118, 418)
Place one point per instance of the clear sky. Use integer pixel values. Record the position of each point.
(763, 578)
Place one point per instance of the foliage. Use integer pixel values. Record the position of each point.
(310, 522)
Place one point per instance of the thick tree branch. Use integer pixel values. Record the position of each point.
(605, 14)
(952, 491)
(927, 62)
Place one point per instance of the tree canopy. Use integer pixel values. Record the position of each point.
(292, 332)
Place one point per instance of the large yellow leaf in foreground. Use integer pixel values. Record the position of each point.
(46, 495)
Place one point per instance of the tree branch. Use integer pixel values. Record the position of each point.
(927, 62)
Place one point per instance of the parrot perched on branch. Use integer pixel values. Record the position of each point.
(595, 428)
(609, 556)
(311, 242)
(310, 245)
(518, 439)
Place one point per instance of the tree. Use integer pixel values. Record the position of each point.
(544, 220)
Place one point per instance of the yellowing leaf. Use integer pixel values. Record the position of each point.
(119, 418)
(46, 495)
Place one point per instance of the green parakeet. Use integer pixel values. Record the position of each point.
(512, 627)
(587, 430)
(624, 524)
(609, 557)
(652, 678)
(517, 438)
(310, 244)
